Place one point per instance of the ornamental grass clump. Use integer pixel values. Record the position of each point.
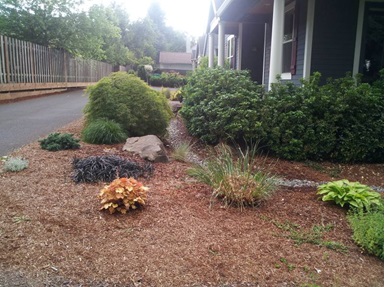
(122, 195)
(107, 168)
(235, 182)
(15, 164)
(102, 131)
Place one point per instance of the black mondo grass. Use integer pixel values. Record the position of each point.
(107, 168)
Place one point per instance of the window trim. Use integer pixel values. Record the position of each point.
(293, 65)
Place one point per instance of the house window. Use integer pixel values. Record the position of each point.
(230, 55)
(289, 38)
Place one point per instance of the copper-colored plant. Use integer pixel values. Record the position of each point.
(123, 194)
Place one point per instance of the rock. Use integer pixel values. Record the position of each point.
(175, 106)
(148, 147)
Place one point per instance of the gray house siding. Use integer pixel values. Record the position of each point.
(335, 25)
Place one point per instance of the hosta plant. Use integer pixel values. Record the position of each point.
(122, 195)
(353, 194)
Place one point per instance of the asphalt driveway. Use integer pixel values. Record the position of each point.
(29, 120)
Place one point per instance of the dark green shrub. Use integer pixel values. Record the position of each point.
(58, 141)
(130, 102)
(103, 131)
(221, 104)
(300, 121)
(368, 231)
(340, 121)
(360, 125)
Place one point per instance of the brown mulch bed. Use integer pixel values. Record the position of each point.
(53, 234)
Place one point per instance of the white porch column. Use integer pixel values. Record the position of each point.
(211, 50)
(239, 46)
(276, 41)
(221, 44)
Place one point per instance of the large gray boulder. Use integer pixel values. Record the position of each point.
(148, 147)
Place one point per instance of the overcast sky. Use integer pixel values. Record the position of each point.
(183, 15)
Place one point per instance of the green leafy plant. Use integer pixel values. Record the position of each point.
(122, 195)
(234, 181)
(368, 230)
(59, 141)
(15, 164)
(130, 102)
(102, 131)
(354, 194)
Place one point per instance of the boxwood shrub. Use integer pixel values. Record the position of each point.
(130, 102)
(221, 104)
(339, 121)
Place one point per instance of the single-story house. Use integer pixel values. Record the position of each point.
(175, 62)
(295, 38)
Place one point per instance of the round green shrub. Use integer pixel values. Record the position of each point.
(130, 102)
(222, 104)
(103, 131)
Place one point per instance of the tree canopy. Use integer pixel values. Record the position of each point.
(100, 33)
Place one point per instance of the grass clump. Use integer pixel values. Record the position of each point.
(59, 141)
(181, 152)
(103, 131)
(15, 164)
(368, 230)
(234, 181)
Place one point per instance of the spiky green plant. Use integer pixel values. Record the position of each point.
(103, 131)
(182, 151)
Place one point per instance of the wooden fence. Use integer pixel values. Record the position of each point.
(25, 66)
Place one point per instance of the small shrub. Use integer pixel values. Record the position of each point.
(58, 141)
(130, 102)
(103, 131)
(368, 230)
(123, 194)
(15, 164)
(107, 168)
(234, 182)
(354, 194)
